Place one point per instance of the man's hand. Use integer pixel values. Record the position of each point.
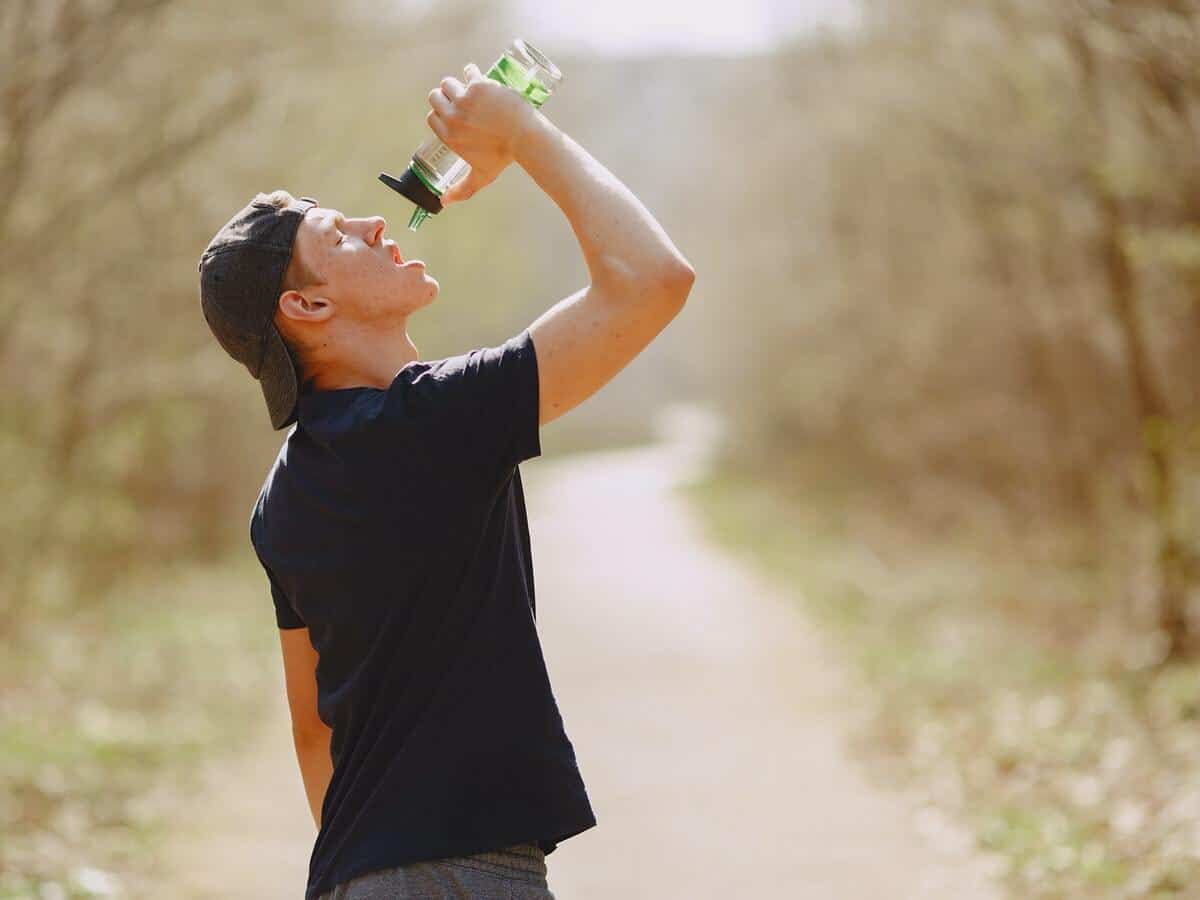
(482, 121)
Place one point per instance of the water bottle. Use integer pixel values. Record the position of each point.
(435, 167)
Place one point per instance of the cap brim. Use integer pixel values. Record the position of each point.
(278, 380)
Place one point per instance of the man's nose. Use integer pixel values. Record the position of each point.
(375, 227)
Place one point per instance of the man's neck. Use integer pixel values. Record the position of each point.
(366, 359)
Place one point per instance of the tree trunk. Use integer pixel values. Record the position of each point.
(1150, 402)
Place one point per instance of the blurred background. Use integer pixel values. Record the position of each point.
(946, 331)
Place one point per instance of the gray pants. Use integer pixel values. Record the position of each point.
(514, 873)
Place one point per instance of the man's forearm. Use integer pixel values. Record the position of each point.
(316, 768)
(619, 237)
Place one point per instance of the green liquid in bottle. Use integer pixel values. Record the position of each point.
(508, 72)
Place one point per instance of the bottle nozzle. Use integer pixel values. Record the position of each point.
(419, 215)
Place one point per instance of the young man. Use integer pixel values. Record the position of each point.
(392, 525)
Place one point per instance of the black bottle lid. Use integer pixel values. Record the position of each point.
(410, 186)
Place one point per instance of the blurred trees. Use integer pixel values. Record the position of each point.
(88, 136)
(958, 249)
(131, 446)
(116, 122)
(1003, 283)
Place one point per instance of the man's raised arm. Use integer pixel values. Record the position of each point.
(639, 279)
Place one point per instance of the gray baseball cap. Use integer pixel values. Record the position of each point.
(241, 277)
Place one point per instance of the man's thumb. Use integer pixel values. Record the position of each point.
(462, 189)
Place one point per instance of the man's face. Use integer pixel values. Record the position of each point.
(362, 271)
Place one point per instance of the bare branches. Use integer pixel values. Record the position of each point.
(54, 50)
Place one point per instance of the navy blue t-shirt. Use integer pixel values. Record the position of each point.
(392, 525)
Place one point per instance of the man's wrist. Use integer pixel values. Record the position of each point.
(535, 132)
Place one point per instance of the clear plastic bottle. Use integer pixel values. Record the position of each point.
(435, 167)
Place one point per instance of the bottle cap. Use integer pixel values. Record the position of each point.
(410, 186)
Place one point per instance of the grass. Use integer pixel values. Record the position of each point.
(117, 705)
(1010, 687)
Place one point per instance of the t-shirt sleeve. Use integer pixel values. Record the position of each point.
(487, 404)
(285, 614)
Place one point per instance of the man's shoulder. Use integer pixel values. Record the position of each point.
(469, 362)
(271, 485)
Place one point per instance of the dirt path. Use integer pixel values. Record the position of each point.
(705, 714)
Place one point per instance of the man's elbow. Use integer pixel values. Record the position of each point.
(675, 281)
(315, 734)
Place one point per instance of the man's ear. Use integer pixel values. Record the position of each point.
(310, 307)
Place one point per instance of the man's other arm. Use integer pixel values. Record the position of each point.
(309, 734)
(638, 278)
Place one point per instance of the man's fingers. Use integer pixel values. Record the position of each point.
(452, 87)
(435, 123)
(439, 102)
(472, 72)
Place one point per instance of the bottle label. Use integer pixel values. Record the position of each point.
(435, 155)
